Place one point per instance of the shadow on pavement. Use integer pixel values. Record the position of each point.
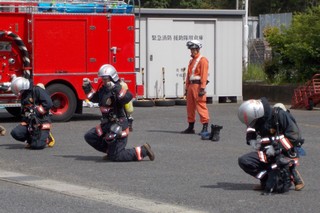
(97, 159)
(231, 186)
(85, 158)
(86, 117)
(7, 118)
(13, 146)
(165, 131)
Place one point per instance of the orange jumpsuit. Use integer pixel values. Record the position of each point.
(194, 81)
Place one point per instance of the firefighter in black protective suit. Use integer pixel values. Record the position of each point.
(111, 135)
(36, 122)
(267, 128)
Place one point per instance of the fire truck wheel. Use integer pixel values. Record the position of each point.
(15, 111)
(64, 102)
(143, 103)
(164, 102)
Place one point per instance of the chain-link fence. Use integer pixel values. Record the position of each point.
(259, 51)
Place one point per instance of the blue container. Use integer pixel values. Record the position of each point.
(129, 9)
(119, 8)
(80, 8)
(44, 7)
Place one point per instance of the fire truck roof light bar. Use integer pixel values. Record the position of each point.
(68, 7)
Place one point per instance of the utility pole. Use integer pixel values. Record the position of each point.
(245, 37)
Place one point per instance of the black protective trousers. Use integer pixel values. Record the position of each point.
(116, 150)
(251, 164)
(21, 133)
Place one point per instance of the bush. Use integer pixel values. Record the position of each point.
(271, 69)
(296, 52)
(254, 73)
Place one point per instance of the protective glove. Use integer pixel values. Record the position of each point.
(202, 92)
(86, 86)
(117, 89)
(251, 135)
(270, 151)
(255, 144)
(2, 131)
(89, 103)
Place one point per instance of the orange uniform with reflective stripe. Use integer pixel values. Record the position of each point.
(194, 102)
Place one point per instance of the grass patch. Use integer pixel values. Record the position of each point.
(254, 73)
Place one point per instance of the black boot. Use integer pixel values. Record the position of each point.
(130, 123)
(204, 128)
(297, 179)
(146, 148)
(215, 132)
(189, 130)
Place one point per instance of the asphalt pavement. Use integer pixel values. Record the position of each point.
(188, 174)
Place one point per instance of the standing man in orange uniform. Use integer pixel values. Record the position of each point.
(195, 88)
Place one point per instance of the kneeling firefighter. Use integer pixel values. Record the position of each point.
(89, 91)
(276, 138)
(36, 122)
(111, 135)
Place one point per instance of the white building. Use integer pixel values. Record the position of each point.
(164, 55)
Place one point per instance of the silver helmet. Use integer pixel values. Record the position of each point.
(194, 44)
(108, 70)
(18, 84)
(250, 111)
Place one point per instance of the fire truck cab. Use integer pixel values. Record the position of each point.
(59, 44)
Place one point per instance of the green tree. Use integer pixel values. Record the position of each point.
(296, 50)
(190, 4)
(226, 4)
(155, 3)
(257, 7)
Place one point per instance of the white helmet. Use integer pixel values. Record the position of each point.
(41, 85)
(19, 84)
(250, 111)
(280, 105)
(194, 44)
(108, 70)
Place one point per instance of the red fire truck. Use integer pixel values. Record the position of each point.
(60, 44)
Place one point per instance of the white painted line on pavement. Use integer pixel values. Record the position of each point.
(110, 197)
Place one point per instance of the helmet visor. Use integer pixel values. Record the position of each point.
(106, 77)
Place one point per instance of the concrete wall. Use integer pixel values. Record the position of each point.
(274, 94)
